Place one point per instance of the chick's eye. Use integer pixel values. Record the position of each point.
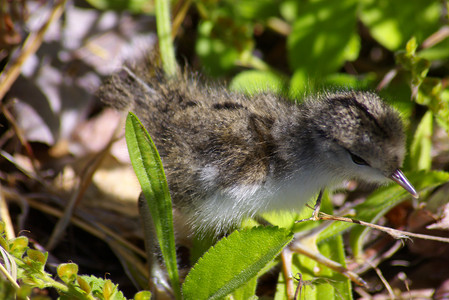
(358, 160)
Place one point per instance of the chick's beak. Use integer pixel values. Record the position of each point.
(400, 179)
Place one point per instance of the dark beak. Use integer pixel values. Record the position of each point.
(400, 179)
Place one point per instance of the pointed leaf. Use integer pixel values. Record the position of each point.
(148, 167)
(420, 156)
(233, 261)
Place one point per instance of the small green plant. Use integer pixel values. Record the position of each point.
(23, 269)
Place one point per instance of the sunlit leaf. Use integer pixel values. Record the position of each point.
(420, 150)
(323, 36)
(148, 167)
(389, 21)
(233, 261)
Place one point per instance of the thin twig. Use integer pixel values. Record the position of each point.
(385, 282)
(98, 230)
(304, 249)
(5, 217)
(84, 183)
(180, 12)
(395, 233)
(21, 136)
(32, 44)
(286, 257)
(436, 37)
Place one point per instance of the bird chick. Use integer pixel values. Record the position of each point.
(228, 156)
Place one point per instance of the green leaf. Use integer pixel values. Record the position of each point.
(390, 22)
(143, 295)
(288, 9)
(300, 83)
(36, 259)
(411, 46)
(148, 168)
(247, 291)
(224, 38)
(254, 81)
(323, 37)
(84, 285)
(233, 261)
(443, 111)
(437, 52)
(18, 246)
(68, 272)
(109, 289)
(420, 156)
(217, 55)
(257, 10)
(200, 244)
(345, 81)
(103, 288)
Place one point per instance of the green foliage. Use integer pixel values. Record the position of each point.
(233, 261)
(317, 281)
(321, 36)
(322, 29)
(224, 39)
(148, 168)
(392, 23)
(255, 81)
(321, 39)
(102, 289)
(427, 91)
(24, 269)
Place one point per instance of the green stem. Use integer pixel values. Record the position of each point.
(65, 289)
(163, 23)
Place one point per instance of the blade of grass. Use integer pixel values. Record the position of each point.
(148, 168)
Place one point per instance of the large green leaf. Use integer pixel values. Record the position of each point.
(323, 36)
(149, 171)
(233, 261)
(393, 23)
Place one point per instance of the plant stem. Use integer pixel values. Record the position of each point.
(162, 8)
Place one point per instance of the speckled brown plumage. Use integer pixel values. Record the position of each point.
(228, 156)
